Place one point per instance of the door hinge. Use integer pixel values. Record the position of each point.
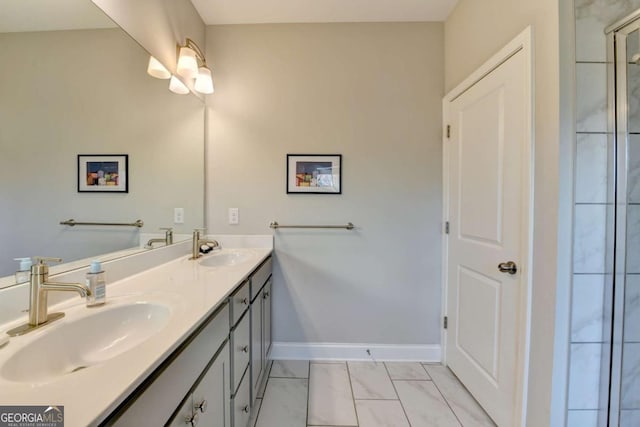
(446, 322)
(446, 227)
(448, 131)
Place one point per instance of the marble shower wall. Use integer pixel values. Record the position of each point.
(590, 217)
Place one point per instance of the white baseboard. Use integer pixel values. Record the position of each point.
(334, 351)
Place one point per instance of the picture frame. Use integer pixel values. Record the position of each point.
(314, 173)
(103, 173)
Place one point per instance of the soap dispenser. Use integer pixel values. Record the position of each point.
(23, 275)
(96, 284)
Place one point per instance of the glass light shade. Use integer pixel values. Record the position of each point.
(187, 63)
(157, 70)
(204, 82)
(176, 86)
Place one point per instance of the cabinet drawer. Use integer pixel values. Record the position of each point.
(240, 346)
(157, 402)
(259, 277)
(240, 406)
(239, 302)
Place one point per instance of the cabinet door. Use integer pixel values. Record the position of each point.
(256, 345)
(211, 396)
(185, 416)
(266, 322)
(241, 404)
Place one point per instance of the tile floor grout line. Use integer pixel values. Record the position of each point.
(446, 400)
(374, 399)
(386, 369)
(353, 397)
(464, 387)
(291, 378)
(404, 411)
(424, 368)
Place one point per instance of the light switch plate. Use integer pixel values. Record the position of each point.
(234, 218)
(178, 215)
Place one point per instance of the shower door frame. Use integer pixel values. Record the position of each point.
(617, 205)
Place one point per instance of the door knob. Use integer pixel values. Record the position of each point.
(508, 267)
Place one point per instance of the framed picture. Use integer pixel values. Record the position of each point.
(103, 173)
(314, 173)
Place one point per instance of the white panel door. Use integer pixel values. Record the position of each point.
(488, 158)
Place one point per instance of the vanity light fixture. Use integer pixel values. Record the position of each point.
(191, 65)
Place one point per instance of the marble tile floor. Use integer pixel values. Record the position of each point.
(365, 394)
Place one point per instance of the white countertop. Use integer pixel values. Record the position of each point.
(192, 292)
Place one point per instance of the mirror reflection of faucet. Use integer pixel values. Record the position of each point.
(168, 238)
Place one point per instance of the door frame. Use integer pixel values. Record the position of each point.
(521, 43)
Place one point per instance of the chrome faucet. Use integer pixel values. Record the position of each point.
(40, 286)
(197, 242)
(168, 238)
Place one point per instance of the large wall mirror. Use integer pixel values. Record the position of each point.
(73, 83)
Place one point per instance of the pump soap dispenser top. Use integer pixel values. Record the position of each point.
(23, 274)
(96, 283)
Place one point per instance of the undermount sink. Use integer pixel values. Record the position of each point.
(224, 258)
(85, 342)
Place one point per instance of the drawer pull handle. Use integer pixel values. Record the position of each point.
(202, 406)
(193, 420)
(245, 409)
(244, 301)
(266, 295)
(245, 349)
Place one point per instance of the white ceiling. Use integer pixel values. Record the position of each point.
(50, 15)
(287, 11)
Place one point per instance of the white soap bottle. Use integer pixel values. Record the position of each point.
(23, 275)
(96, 284)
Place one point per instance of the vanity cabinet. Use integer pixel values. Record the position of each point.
(213, 377)
(240, 320)
(208, 404)
(260, 325)
(202, 356)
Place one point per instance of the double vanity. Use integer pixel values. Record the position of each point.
(184, 342)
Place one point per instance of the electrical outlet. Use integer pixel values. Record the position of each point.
(234, 216)
(178, 215)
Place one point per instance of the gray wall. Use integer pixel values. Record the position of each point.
(474, 31)
(371, 92)
(86, 92)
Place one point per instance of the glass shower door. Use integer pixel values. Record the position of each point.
(622, 312)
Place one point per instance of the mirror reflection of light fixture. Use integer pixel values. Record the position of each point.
(176, 86)
(157, 70)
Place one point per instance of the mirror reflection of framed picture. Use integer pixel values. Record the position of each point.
(103, 173)
(314, 173)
